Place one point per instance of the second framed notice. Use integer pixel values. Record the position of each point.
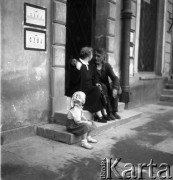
(34, 39)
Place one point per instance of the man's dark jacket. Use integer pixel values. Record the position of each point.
(103, 76)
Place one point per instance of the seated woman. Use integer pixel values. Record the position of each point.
(83, 79)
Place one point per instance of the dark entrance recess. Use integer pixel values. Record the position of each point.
(147, 38)
(79, 29)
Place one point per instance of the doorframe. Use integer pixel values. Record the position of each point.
(160, 36)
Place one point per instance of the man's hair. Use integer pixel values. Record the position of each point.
(86, 52)
(100, 51)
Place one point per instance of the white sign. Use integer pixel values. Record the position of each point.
(35, 39)
(35, 15)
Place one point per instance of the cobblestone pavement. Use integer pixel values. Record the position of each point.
(139, 141)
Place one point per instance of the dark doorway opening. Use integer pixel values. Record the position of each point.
(79, 29)
(147, 38)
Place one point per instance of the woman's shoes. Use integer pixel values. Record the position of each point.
(111, 116)
(100, 119)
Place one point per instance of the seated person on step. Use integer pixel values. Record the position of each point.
(77, 123)
(104, 72)
(82, 78)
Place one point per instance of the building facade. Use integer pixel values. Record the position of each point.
(38, 38)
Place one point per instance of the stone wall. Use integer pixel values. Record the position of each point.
(108, 30)
(59, 103)
(167, 61)
(24, 73)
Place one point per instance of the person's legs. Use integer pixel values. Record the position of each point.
(106, 102)
(85, 143)
(90, 139)
(114, 104)
(105, 115)
(99, 117)
(109, 110)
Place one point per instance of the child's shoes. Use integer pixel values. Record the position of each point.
(86, 145)
(91, 140)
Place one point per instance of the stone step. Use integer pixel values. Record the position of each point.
(121, 106)
(167, 92)
(168, 86)
(58, 132)
(170, 81)
(61, 118)
(168, 98)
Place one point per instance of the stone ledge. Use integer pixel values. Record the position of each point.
(168, 98)
(17, 134)
(152, 77)
(167, 92)
(169, 86)
(61, 118)
(58, 132)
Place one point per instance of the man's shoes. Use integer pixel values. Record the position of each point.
(100, 119)
(117, 116)
(111, 116)
(106, 117)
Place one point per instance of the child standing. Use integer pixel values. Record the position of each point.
(77, 123)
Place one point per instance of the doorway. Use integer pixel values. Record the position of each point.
(79, 29)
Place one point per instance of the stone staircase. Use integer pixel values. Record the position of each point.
(57, 130)
(167, 93)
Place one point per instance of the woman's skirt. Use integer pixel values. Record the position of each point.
(93, 99)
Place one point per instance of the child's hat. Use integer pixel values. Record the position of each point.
(78, 96)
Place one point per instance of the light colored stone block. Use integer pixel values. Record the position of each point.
(133, 23)
(110, 44)
(113, 1)
(133, 4)
(169, 7)
(111, 59)
(110, 27)
(59, 11)
(168, 48)
(166, 68)
(167, 57)
(58, 56)
(168, 37)
(131, 67)
(112, 10)
(59, 99)
(59, 34)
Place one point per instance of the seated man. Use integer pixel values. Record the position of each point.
(104, 71)
(83, 79)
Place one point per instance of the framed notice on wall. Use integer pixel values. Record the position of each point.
(34, 39)
(35, 16)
